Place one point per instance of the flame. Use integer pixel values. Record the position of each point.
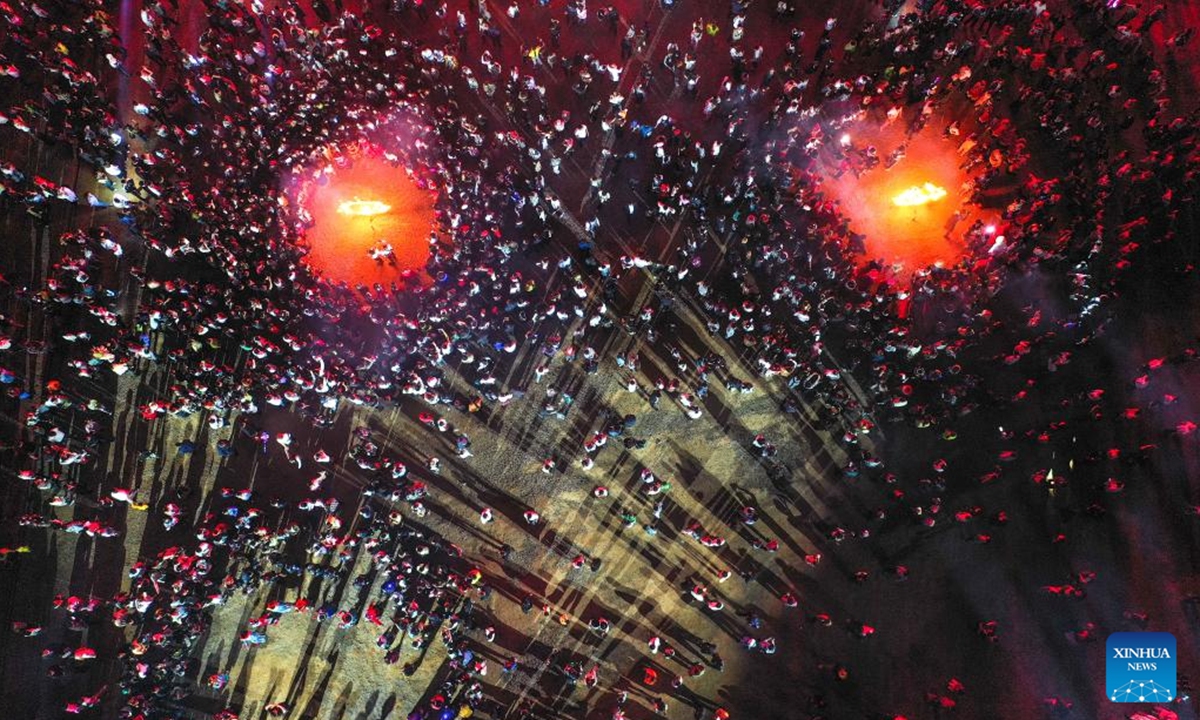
(363, 207)
(920, 195)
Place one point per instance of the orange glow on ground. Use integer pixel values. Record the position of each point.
(385, 206)
(906, 221)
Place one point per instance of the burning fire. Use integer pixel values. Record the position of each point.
(920, 195)
(363, 207)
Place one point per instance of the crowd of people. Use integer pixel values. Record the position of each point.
(553, 140)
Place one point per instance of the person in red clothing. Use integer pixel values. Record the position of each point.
(650, 676)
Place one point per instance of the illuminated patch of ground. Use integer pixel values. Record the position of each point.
(904, 219)
(371, 223)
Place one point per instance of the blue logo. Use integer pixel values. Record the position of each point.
(1140, 667)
